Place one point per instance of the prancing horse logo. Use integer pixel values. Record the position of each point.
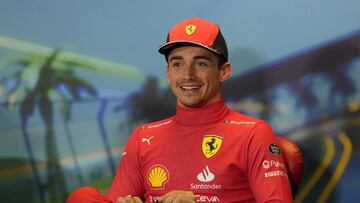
(211, 145)
(190, 29)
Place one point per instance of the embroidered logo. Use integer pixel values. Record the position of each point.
(211, 145)
(206, 175)
(274, 149)
(158, 175)
(147, 140)
(190, 29)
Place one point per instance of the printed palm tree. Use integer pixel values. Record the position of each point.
(150, 103)
(66, 112)
(38, 83)
(50, 75)
(22, 85)
(31, 94)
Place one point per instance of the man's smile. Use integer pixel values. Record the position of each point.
(190, 88)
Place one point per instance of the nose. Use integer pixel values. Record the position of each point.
(189, 73)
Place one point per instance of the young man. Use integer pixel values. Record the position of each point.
(206, 152)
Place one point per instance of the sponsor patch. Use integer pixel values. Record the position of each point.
(154, 198)
(158, 175)
(206, 175)
(274, 149)
(202, 186)
(207, 198)
(160, 124)
(211, 145)
(240, 122)
(273, 164)
(274, 173)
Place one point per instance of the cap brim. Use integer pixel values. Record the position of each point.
(167, 47)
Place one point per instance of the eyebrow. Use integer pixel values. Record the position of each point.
(202, 57)
(195, 57)
(175, 58)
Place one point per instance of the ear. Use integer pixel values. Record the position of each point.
(225, 71)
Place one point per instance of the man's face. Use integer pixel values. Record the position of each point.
(194, 75)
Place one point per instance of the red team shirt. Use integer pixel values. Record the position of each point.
(218, 154)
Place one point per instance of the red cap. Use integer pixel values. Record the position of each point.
(196, 31)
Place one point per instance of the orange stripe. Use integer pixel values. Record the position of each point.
(19, 169)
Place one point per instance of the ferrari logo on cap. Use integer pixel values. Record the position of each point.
(190, 29)
(211, 145)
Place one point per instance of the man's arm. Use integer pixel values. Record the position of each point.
(126, 184)
(128, 179)
(266, 169)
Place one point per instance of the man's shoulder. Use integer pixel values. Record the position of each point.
(156, 124)
(237, 118)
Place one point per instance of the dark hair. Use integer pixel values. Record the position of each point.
(221, 60)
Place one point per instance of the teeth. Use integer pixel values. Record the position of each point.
(190, 87)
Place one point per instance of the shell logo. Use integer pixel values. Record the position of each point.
(158, 175)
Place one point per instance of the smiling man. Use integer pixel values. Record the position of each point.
(195, 76)
(206, 152)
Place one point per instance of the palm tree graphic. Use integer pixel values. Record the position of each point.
(38, 80)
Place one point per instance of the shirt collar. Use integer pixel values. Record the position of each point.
(207, 114)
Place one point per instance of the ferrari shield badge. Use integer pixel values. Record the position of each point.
(190, 29)
(211, 145)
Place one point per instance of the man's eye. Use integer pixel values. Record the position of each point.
(176, 65)
(201, 65)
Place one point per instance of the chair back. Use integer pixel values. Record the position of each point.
(293, 161)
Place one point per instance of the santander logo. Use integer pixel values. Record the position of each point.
(206, 175)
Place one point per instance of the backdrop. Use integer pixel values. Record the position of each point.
(76, 77)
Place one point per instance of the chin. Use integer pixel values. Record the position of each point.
(191, 104)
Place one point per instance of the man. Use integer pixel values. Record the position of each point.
(206, 152)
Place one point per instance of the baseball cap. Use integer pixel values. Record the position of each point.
(196, 31)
